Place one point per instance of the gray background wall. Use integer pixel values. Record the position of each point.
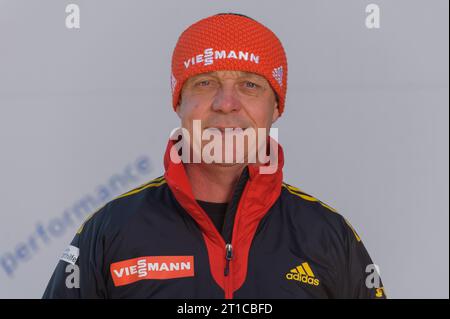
(365, 128)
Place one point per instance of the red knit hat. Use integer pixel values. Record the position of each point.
(229, 42)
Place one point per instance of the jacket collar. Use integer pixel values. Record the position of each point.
(264, 189)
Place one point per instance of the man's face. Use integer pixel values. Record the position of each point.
(227, 99)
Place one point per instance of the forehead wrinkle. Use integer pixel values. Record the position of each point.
(227, 74)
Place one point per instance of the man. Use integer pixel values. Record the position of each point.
(217, 229)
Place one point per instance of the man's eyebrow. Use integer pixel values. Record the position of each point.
(213, 74)
(248, 75)
(251, 75)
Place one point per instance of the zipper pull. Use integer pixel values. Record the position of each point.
(228, 257)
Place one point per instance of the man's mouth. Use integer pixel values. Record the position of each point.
(223, 128)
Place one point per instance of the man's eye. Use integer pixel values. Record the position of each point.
(251, 85)
(203, 83)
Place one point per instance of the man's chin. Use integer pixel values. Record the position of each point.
(224, 165)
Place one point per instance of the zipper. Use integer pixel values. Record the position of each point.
(227, 273)
(228, 284)
(228, 257)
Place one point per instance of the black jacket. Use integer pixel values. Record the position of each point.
(156, 242)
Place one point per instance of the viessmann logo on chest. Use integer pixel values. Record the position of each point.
(151, 267)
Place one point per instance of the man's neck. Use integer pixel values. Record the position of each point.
(213, 183)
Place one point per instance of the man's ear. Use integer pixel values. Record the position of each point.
(276, 113)
(178, 108)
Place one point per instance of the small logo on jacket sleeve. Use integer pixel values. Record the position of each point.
(151, 267)
(70, 254)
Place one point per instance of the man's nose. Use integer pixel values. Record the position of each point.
(226, 100)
